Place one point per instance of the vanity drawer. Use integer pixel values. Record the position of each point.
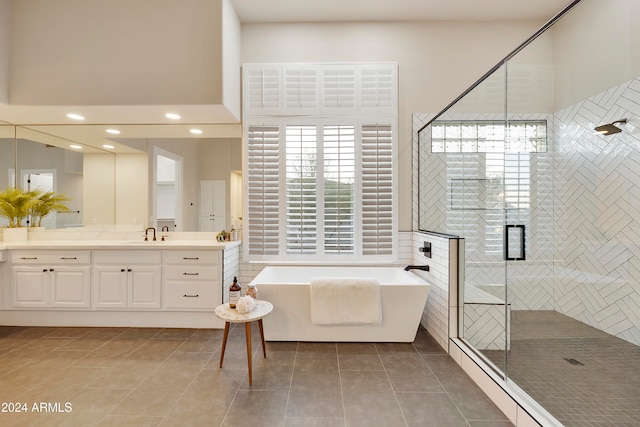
(192, 272)
(191, 295)
(191, 257)
(49, 257)
(127, 257)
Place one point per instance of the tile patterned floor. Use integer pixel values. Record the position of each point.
(170, 377)
(581, 375)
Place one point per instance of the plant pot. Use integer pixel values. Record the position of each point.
(14, 234)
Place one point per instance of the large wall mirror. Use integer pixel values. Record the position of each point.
(113, 176)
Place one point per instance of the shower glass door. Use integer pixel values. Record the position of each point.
(466, 155)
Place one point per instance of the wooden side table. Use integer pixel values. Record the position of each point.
(231, 315)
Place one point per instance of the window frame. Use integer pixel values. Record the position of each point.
(321, 256)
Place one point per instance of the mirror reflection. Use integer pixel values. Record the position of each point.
(131, 175)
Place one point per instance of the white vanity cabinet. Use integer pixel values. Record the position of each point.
(171, 284)
(127, 279)
(192, 279)
(51, 279)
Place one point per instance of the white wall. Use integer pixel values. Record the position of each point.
(99, 189)
(436, 62)
(132, 189)
(597, 46)
(5, 40)
(116, 52)
(231, 52)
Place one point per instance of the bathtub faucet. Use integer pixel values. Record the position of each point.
(417, 267)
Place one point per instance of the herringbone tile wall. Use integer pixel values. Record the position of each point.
(597, 213)
(583, 224)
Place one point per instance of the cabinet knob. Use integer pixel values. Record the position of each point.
(122, 270)
(128, 269)
(51, 269)
(44, 270)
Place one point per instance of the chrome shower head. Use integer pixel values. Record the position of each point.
(610, 128)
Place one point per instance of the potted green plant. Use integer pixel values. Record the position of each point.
(14, 205)
(44, 204)
(17, 205)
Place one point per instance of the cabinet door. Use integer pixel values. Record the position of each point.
(144, 287)
(30, 287)
(70, 286)
(109, 287)
(213, 205)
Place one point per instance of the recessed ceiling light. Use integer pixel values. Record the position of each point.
(76, 147)
(113, 131)
(195, 131)
(75, 116)
(172, 116)
(108, 146)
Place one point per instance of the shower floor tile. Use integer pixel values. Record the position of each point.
(581, 375)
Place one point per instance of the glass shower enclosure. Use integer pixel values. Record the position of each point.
(549, 211)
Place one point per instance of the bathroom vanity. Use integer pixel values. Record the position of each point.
(116, 283)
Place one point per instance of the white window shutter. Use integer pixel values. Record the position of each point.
(263, 175)
(262, 89)
(320, 184)
(339, 171)
(301, 184)
(377, 190)
(378, 89)
(300, 84)
(339, 89)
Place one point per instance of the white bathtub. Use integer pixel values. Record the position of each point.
(403, 296)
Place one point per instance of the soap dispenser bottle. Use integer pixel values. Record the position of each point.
(234, 293)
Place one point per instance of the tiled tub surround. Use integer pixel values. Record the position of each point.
(438, 318)
(171, 377)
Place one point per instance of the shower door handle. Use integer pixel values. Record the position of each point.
(514, 244)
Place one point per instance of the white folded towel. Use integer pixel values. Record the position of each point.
(345, 301)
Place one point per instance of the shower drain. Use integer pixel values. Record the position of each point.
(573, 361)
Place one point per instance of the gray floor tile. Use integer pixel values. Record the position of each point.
(430, 410)
(166, 377)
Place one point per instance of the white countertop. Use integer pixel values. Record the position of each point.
(119, 244)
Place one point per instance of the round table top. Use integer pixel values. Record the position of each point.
(231, 315)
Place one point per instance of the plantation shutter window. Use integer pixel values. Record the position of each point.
(263, 193)
(377, 190)
(339, 192)
(301, 184)
(321, 161)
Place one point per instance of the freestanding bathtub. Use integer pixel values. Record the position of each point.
(403, 295)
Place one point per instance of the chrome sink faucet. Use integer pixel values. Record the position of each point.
(146, 237)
